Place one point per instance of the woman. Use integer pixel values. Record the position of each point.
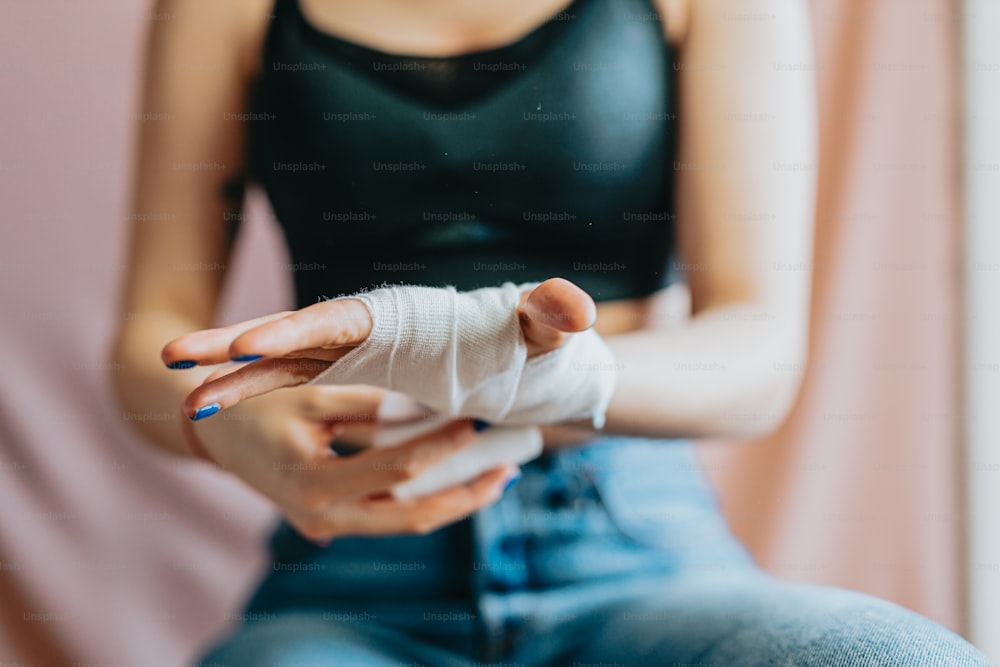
(517, 142)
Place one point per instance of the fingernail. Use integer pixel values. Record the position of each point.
(512, 481)
(247, 357)
(479, 425)
(205, 411)
(179, 365)
(322, 544)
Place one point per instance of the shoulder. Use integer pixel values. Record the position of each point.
(252, 23)
(202, 28)
(722, 20)
(676, 17)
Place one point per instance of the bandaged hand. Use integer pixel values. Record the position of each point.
(511, 355)
(463, 354)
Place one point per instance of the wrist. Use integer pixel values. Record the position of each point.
(570, 434)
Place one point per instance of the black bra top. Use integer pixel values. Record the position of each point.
(552, 156)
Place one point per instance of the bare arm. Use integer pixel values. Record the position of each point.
(188, 169)
(749, 144)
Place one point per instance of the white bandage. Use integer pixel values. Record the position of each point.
(462, 354)
(400, 419)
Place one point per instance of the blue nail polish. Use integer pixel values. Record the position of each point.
(205, 411)
(180, 365)
(479, 425)
(248, 357)
(512, 481)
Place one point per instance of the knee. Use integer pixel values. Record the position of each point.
(879, 633)
(780, 623)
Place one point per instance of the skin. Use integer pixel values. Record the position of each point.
(712, 374)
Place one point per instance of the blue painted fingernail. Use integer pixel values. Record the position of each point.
(248, 357)
(512, 481)
(322, 543)
(179, 365)
(205, 411)
(479, 425)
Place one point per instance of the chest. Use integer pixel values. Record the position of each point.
(584, 128)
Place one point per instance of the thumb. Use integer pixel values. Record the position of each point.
(552, 310)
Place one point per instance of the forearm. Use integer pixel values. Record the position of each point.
(150, 394)
(731, 370)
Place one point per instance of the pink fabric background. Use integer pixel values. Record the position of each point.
(111, 553)
(135, 557)
(861, 486)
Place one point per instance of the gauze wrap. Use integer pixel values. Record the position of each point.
(462, 354)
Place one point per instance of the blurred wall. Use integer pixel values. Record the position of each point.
(111, 553)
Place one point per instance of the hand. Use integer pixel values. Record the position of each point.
(300, 345)
(279, 445)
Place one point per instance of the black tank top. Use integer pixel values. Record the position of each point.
(552, 156)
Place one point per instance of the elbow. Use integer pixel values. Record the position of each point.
(120, 387)
(125, 391)
(784, 397)
(116, 359)
(783, 359)
(775, 401)
(122, 382)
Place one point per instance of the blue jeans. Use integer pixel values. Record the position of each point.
(613, 554)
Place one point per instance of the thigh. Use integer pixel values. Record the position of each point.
(310, 640)
(754, 619)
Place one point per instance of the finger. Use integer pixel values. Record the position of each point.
(221, 371)
(356, 435)
(354, 407)
(349, 403)
(390, 515)
(380, 469)
(553, 309)
(248, 381)
(209, 346)
(326, 325)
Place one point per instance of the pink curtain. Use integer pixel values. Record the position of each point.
(111, 553)
(860, 488)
